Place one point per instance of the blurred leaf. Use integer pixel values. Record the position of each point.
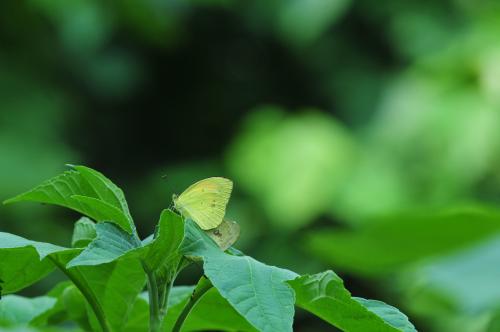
(375, 186)
(293, 165)
(390, 244)
(324, 295)
(69, 305)
(157, 21)
(57, 313)
(16, 309)
(440, 137)
(301, 22)
(83, 26)
(474, 291)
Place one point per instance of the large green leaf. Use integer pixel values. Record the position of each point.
(113, 287)
(116, 286)
(324, 295)
(110, 244)
(386, 246)
(24, 262)
(257, 291)
(17, 310)
(86, 191)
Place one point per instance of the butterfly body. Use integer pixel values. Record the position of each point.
(205, 201)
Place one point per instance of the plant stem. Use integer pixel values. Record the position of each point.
(164, 297)
(195, 297)
(87, 293)
(154, 307)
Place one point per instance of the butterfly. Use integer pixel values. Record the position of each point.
(205, 201)
(226, 234)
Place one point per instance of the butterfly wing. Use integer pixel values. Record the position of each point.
(226, 234)
(205, 201)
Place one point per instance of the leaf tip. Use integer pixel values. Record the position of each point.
(10, 200)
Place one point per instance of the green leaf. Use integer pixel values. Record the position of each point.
(325, 296)
(165, 244)
(113, 287)
(110, 244)
(75, 306)
(388, 313)
(57, 313)
(139, 316)
(83, 233)
(434, 285)
(257, 291)
(106, 190)
(24, 261)
(383, 247)
(70, 305)
(202, 316)
(113, 243)
(16, 310)
(86, 191)
(103, 211)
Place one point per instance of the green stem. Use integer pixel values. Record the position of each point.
(168, 287)
(164, 297)
(195, 297)
(87, 293)
(154, 307)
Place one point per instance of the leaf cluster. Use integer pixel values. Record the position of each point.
(119, 282)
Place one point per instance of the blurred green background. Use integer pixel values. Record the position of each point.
(362, 137)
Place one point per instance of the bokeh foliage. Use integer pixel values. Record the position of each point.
(361, 136)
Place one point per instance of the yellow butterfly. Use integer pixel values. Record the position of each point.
(226, 234)
(205, 201)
